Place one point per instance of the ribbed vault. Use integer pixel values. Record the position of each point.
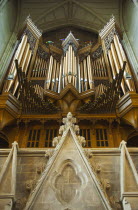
(90, 14)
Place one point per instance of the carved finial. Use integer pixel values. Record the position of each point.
(122, 143)
(56, 141)
(82, 140)
(69, 121)
(15, 144)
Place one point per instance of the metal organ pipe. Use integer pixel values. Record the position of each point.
(120, 57)
(95, 64)
(79, 76)
(25, 56)
(112, 63)
(75, 72)
(18, 55)
(69, 64)
(53, 75)
(22, 63)
(49, 73)
(85, 74)
(60, 75)
(57, 77)
(90, 72)
(63, 73)
(40, 63)
(104, 66)
(118, 52)
(101, 66)
(28, 58)
(45, 68)
(35, 66)
(27, 61)
(82, 77)
(66, 69)
(117, 64)
(94, 68)
(124, 58)
(73, 68)
(42, 68)
(38, 70)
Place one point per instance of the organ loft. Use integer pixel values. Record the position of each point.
(68, 99)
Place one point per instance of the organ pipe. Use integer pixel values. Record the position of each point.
(90, 72)
(117, 64)
(60, 76)
(112, 63)
(79, 78)
(63, 73)
(75, 72)
(124, 58)
(18, 55)
(49, 72)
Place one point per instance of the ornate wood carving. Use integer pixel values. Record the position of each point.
(31, 101)
(97, 53)
(109, 38)
(42, 53)
(31, 38)
(106, 102)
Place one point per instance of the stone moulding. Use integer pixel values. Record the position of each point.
(81, 181)
(69, 127)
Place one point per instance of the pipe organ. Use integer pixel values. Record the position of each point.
(50, 71)
(85, 69)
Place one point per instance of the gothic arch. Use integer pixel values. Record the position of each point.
(3, 141)
(132, 140)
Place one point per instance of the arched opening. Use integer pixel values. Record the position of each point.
(133, 141)
(3, 141)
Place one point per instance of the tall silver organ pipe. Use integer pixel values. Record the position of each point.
(23, 54)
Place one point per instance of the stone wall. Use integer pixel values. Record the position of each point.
(31, 164)
(8, 18)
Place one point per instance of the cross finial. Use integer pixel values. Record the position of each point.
(69, 120)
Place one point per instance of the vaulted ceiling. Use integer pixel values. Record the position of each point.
(87, 14)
